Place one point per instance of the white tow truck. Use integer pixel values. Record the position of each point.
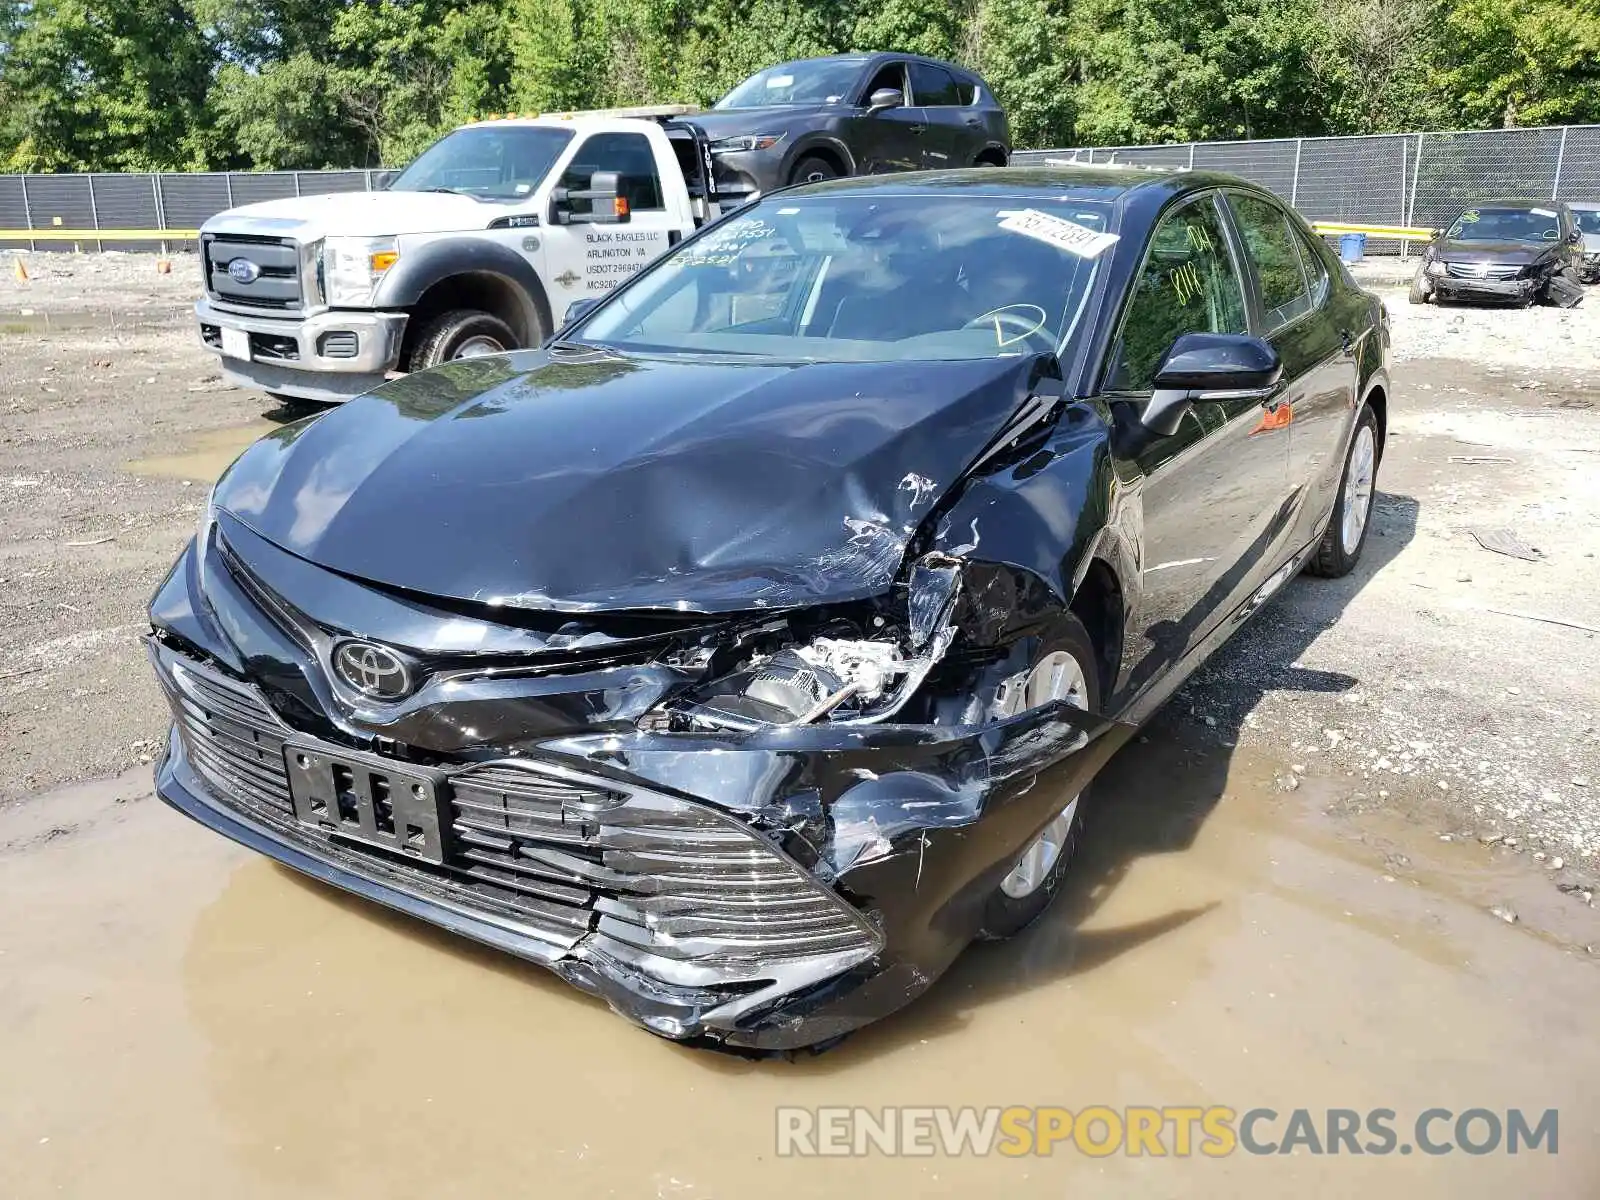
(483, 244)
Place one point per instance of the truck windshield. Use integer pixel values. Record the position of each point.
(1588, 220)
(1506, 225)
(867, 278)
(817, 81)
(489, 162)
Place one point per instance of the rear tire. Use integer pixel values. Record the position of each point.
(461, 333)
(1421, 288)
(813, 169)
(1035, 881)
(1342, 542)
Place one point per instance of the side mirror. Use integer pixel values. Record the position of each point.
(382, 179)
(579, 309)
(1209, 366)
(606, 204)
(885, 98)
(1576, 237)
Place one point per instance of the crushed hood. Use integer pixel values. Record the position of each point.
(593, 482)
(362, 214)
(1506, 253)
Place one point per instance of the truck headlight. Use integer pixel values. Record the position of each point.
(352, 267)
(755, 141)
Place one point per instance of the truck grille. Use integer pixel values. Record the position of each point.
(648, 876)
(276, 288)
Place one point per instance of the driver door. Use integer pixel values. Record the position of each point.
(890, 139)
(1213, 495)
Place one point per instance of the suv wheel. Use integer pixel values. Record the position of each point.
(812, 169)
(462, 333)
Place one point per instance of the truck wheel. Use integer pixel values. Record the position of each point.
(461, 333)
(812, 169)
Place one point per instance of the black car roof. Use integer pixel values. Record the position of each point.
(861, 56)
(1106, 184)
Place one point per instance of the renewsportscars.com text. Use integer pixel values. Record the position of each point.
(1171, 1131)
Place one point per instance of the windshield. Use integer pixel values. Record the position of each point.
(867, 278)
(1588, 219)
(817, 81)
(1506, 225)
(490, 162)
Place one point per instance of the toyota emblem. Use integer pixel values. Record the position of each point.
(242, 270)
(372, 670)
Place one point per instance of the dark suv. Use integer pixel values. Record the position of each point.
(853, 114)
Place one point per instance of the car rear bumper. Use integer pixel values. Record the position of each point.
(331, 356)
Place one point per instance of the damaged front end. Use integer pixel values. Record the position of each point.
(756, 829)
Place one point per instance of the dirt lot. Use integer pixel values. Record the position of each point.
(1352, 864)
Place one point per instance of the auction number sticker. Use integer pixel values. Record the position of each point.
(1058, 231)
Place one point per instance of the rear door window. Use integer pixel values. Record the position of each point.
(1189, 283)
(932, 87)
(1273, 246)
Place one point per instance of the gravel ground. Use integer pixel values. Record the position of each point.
(1438, 679)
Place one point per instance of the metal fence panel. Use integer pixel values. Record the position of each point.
(188, 201)
(1269, 162)
(13, 211)
(264, 185)
(1421, 179)
(1458, 169)
(1580, 165)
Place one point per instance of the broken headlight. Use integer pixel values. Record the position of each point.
(832, 679)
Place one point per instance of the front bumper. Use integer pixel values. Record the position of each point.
(885, 841)
(1507, 291)
(331, 356)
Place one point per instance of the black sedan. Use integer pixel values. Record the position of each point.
(852, 114)
(748, 650)
(1505, 252)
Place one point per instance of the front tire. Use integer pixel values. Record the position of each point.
(461, 333)
(1340, 548)
(813, 169)
(1063, 669)
(1421, 286)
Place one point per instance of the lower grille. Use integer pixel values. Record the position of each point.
(1482, 271)
(650, 877)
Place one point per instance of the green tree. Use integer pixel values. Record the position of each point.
(1523, 62)
(113, 85)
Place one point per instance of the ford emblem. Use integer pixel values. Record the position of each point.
(372, 670)
(242, 270)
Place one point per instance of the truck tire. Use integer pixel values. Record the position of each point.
(461, 333)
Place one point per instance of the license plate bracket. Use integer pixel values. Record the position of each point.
(368, 799)
(236, 343)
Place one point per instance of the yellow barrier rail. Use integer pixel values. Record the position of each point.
(1405, 233)
(98, 235)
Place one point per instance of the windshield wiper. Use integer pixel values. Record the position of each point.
(449, 190)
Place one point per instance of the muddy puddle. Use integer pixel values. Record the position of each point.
(181, 1018)
(207, 455)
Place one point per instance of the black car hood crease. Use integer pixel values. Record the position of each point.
(1518, 253)
(597, 482)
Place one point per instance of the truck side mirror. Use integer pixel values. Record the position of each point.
(885, 98)
(606, 204)
(382, 179)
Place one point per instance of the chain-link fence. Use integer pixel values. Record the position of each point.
(164, 201)
(1418, 179)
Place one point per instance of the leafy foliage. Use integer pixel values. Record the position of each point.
(130, 84)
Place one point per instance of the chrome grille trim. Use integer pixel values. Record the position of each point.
(1494, 271)
(673, 886)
